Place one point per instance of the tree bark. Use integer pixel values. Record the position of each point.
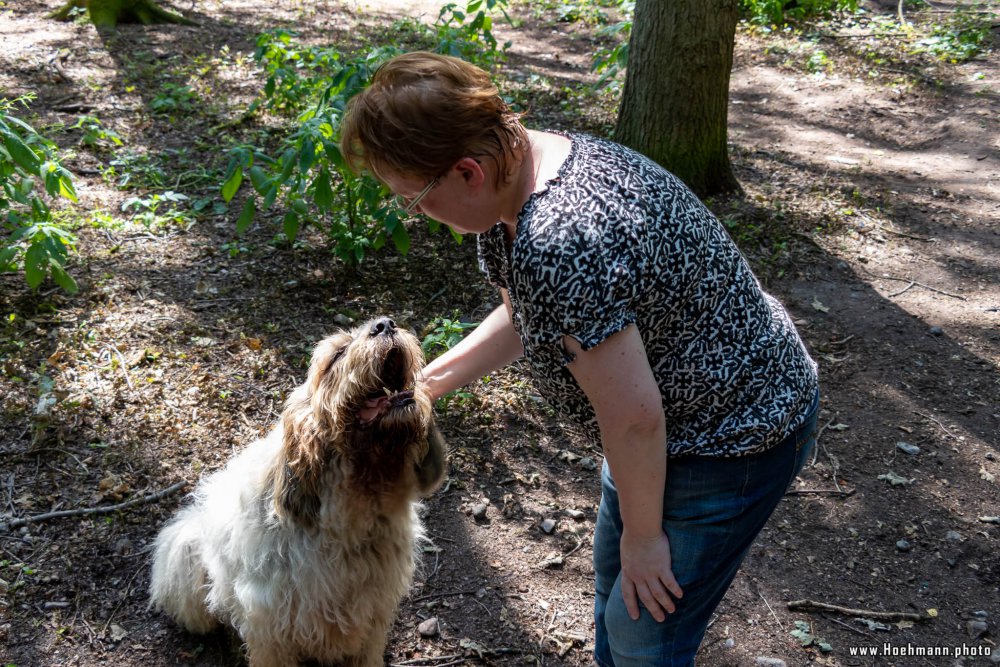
(674, 107)
(109, 13)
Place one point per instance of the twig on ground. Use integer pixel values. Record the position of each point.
(818, 434)
(81, 511)
(435, 661)
(777, 620)
(943, 428)
(822, 492)
(914, 283)
(848, 626)
(442, 595)
(128, 590)
(810, 605)
(112, 350)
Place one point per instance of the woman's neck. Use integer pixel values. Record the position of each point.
(542, 159)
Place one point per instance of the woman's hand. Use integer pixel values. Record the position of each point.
(647, 577)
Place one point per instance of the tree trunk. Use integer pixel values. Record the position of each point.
(674, 107)
(109, 13)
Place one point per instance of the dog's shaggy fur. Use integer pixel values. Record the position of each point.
(305, 542)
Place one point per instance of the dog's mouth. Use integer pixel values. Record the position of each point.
(395, 392)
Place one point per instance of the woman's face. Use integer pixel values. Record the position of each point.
(463, 198)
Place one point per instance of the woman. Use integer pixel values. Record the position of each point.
(639, 320)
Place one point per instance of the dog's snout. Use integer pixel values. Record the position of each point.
(382, 326)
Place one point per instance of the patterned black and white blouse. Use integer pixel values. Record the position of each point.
(616, 240)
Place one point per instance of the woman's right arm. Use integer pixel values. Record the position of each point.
(491, 346)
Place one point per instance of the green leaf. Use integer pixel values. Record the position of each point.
(323, 193)
(232, 184)
(291, 225)
(35, 263)
(336, 157)
(260, 180)
(21, 154)
(63, 279)
(308, 155)
(401, 239)
(7, 257)
(271, 195)
(246, 215)
(66, 188)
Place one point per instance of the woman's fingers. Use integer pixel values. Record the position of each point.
(654, 596)
(629, 596)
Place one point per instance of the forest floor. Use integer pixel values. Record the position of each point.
(871, 208)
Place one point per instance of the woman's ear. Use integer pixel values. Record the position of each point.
(471, 171)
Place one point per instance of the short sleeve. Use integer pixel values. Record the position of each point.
(490, 250)
(584, 284)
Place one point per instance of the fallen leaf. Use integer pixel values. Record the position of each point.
(986, 474)
(873, 625)
(932, 613)
(895, 479)
(818, 305)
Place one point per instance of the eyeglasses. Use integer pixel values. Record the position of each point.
(408, 205)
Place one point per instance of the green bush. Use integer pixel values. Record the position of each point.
(30, 240)
(779, 12)
(307, 175)
(611, 62)
(963, 36)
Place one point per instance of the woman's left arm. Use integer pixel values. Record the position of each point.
(617, 378)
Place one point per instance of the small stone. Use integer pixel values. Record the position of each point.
(429, 628)
(479, 511)
(762, 661)
(936, 331)
(729, 643)
(953, 536)
(118, 633)
(575, 514)
(342, 320)
(981, 615)
(977, 629)
(903, 546)
(907, 448)
(548, 525)
(587, 463)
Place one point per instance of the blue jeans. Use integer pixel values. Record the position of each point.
(713, 509)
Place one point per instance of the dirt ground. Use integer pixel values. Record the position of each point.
(871, 209)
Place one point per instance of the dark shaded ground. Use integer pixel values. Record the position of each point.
(871, 210)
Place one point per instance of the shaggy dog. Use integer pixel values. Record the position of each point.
(305, 542)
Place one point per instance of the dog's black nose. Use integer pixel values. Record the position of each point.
(382, 325)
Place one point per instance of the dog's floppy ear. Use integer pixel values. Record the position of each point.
(430, 469)
(295, 480)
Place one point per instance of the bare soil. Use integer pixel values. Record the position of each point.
(870, 209)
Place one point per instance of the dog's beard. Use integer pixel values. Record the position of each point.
(361, 407)
(394, 401)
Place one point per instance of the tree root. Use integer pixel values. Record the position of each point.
(109, 13)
